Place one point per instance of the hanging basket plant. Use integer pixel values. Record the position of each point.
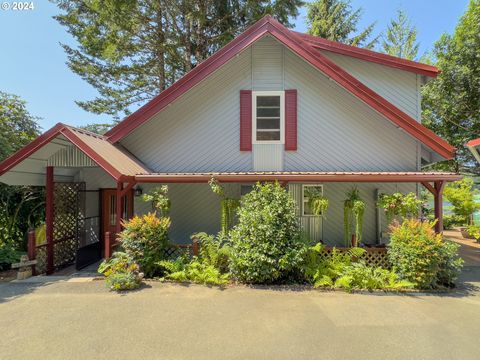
(228, 205)
(398, 204)
(353, 213)
(159, 199)
(317, 203)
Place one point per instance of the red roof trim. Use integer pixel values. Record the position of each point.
(304, 50)
(369, 55)
(45, 138)
(473, 143)
(189, 80)
(363, 177)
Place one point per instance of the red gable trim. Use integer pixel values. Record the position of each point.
(302, 49)
(45, 138)
(369, 55)
(473, 143)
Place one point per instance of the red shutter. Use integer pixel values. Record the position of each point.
(245, 120)
(290, 119)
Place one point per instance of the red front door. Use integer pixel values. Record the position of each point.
(109, 216)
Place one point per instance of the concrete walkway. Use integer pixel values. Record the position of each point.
(76, 317)
(65, 319)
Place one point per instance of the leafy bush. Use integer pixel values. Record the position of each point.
(474, 232)
(359, 276)
(461, 195)
(209, 268)
(449, 221)
(8, 256)
(266, 243)
(121, 272)
(344, 270)
(422, 257)
(145, 239)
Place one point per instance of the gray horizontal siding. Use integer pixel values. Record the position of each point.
(397, 86)
(268, 157)
(336, 131)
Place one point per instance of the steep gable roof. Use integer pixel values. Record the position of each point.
(369, 55)
(109, 157)
(309, 53)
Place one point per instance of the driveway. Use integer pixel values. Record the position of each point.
(80, 319)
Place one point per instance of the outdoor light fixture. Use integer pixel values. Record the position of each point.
(138, 191)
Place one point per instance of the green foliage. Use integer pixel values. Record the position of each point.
(21, 207)
(353, 211)
(130, 51)
(449, 221)
(8, 256)
(461, 195)
(210, 268)
(159, 198)
(474, 232)
(266, 243)
(401, 38)
(398, 204)
(422, 257)
(316, 201)
(229, 206)
(336, 20)
(144, 239)
(121, 272)
(359, 276)
(450, 105)
(345, 270)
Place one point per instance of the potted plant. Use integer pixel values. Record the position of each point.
(353, 211)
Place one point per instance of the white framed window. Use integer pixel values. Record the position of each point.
(306, 190)
(268, 120)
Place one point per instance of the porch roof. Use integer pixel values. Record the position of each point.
(473, 146)
(27, 165)
(282, 176)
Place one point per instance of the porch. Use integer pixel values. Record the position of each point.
(90, 185)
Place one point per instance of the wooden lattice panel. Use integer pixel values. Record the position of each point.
(68, 218)
(174, 251)
(377, 257)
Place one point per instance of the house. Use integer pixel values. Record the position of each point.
(473, 146)
(273, 104)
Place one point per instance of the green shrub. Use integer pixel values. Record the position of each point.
(121, 272)
(422, 257)
(145, 239)
(266, 243)
(359, 276)
(474, 232)
(398, 204)
(461, 195)
(8, 256)
(344, 270)
(209, 268)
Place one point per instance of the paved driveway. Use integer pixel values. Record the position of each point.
(82, 320)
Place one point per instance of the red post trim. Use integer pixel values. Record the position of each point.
(32, 249)
(195, 247)
(108, 246)
(438, 203)
(49, 218)
(118, 210)
(429, 187)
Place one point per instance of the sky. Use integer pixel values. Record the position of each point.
(33, 64)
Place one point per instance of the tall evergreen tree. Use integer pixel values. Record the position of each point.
(131, 50)
(401, 38)
(451, 102)
(336, 20)
(21, 207)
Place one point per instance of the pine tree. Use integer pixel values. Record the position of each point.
(451, 102)
(336, 20)
(401, 38)
(130, 51)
